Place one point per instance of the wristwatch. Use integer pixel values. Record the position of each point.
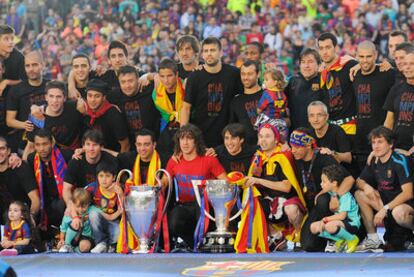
(386, 207)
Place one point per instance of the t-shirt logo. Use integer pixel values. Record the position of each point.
(335, 96)
(315, 87)
(405, 116)
(133, 115)
(364, 99)
(215, 98)
(251, 110)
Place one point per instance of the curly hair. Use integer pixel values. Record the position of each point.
(192, 131)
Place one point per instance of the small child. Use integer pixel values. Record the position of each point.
(273, 102)
(81, 238)
(17, 231)
(344, 224)
(106, 197)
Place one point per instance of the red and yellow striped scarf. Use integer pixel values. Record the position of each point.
(326, 75)
(154, 165)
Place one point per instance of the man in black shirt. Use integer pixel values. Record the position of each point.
(168, 98)
(336, 83)
(13, 60)
(209, 93)
(400, 53)
(400, 109)
(188, 49)
(304, 88)
(243, 107)
(60, 117)
(80, 74)
(330, 139)
(235, 154)
(386, 194)
(371, 87)
(82, 172)
(26, 93)
(309, 164)
(103, 116)
(16, 184)
(137, 108)
(144, 157)
(49, 165)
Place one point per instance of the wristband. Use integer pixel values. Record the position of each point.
(386, 207)
(325, 220)
(77, 217)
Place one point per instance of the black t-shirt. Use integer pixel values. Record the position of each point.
(334, 139)
(243, 109)
(300, 93)
(341, 97)
(388, 177)
(66, 128)
(139, 112)
(80, 173)
(15, 184)
(50, 190)
(313, 183)
(400, 101)
(371, 91)
(210, 96)
(14, 68)
(22, 96)
(277, 176)
(113, 127)
(240, 162)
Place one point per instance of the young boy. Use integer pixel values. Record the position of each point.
(106, 197)
(81, 239)
(344, 224)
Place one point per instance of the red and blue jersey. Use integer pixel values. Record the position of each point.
(19, 232)
(108, 203)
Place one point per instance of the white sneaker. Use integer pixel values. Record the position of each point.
(330, 247)
(66, 249)
(369, 245)
(101, 247)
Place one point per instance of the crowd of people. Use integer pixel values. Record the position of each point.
(326, 155)
(60, 30)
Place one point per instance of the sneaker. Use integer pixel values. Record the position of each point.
(297, 247)
(277, 244)
(340, 246)
(112, 248)
(66, 249)
(352, 244)
(330, 247)
(8, 252)
(181, 246)
(369, 245)
(101, 247)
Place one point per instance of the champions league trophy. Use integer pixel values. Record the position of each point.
(222, 196)
(141, 205)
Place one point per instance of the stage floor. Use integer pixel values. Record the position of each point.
(278, 264)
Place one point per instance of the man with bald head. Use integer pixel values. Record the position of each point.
(25, 94)
(371, 87)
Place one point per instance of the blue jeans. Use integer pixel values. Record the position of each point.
(102, 229)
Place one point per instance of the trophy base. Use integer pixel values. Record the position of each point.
(218, 243)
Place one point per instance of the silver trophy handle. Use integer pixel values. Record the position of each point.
(167, 200)
(121, 173)
(197, 183)
(244, 204)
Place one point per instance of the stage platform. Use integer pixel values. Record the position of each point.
(276, 264)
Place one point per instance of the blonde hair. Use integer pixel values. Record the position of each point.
(81, 196)
(278, 76)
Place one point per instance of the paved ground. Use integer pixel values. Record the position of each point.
(290, 264)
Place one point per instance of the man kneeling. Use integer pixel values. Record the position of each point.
(386, 195)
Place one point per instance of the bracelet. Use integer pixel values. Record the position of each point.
(386, 207)
(325, 220)
(77, 217)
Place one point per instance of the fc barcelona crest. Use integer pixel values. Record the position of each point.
(235, 268)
